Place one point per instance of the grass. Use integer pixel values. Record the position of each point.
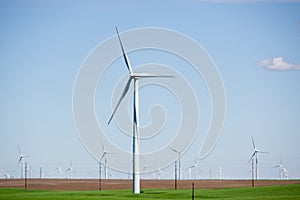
(269, 192)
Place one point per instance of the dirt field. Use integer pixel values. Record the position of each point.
(93, 184)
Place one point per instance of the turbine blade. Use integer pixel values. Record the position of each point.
(19, 149)
(252, 156)
(19, 160)
(121, 98)
(253, 142)
(174, 150)
(102, 156)
(124, 54)
(102, 145)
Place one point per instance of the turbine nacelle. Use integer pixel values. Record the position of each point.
(21, 156)
(148, 75)
(256, 151)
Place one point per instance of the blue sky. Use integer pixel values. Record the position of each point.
(255, 46)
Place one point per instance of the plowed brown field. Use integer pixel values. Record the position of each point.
(93, 184)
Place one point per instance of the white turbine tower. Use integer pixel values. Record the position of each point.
(135, 136)
(21, 160)
(220, 172)
(256, 151)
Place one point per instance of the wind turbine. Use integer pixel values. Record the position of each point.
(256, 151)
(42, 173)
(283, 173)
(220, 172)
(21, 160)
(280, 168)
(4, 174)
(59, 170)
(104, 156)
(159, 173)
(179, 162)
(135, 136)
(29, 171)
(70, 169)
(195, 168)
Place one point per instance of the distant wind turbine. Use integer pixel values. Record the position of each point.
(220, 172)
(29, 171)
(135, 136)
(70, 170)
(59, 170)
(104, 156)
(42, 174)
(159, 173)
(21, 160)
(283, 173)
(179, 161)
(194, 167)
(256, 151)
(4, 174)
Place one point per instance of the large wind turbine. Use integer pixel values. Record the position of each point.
(256, 151)
(135, 136)
(21, 160)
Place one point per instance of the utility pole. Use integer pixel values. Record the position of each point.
(179, 169)
(25, 180)
(252, 163)
(256, 162)
(175, 175)
(100, 184)
(193, 191)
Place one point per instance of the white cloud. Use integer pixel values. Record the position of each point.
(277, 64)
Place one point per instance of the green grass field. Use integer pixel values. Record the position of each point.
(270, 192)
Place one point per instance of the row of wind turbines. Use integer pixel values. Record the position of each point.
(192, 172)
(26, 168)
(283, 173)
